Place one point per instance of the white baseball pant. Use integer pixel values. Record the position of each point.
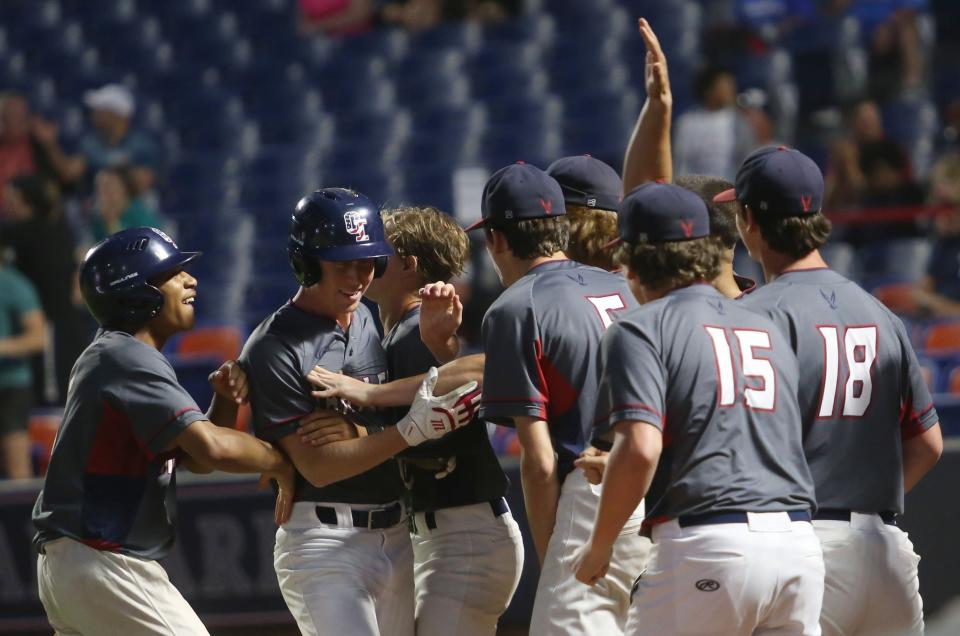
(337, 579)
(97, 593)
(871, 584)
(564, 605)
(466, 568)
(735, 579)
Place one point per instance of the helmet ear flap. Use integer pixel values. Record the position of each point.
(380, 266)
(306, 270)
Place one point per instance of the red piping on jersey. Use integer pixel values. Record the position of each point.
(544, 388)
(624, 407)
(175, 417)
(910, 424)
(803, 269)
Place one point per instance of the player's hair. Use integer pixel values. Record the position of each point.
(793, 236)
(439, 244)
(723, 216)
(672, 264)
(531, 238)
(590, 230)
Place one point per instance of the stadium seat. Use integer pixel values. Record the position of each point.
(898, 297)
(222, 343)
(943, 337)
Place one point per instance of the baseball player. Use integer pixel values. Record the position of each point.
(641, 164)
(700, 394)
(468, 552)
(870, 431)
(591, 193)
(540, 338)
(107, 508)
(343, 560)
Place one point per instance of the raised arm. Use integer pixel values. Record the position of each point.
(648, 155)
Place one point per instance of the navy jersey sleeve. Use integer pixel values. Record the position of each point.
(633, 378)
(146, 393)
(279, 393)
(919, 415)
(513, 384)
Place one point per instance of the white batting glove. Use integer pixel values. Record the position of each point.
(432, 416)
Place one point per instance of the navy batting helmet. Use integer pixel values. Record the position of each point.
(335, 224)
(116, 275)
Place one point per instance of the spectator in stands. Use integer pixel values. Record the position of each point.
(343, 17)
(845, 179)
(938, 294)
(714, 137)
(117, 205)
(44, 250)
(114, 143)
(889, 30)
(26, 145)
(23, 334)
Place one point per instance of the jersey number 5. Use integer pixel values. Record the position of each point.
(605, 305)
(860, 350)
(762, 397)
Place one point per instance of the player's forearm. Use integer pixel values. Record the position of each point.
(444, 349)
(648, 155)
(920, 455)
(222, 412)
(451, 376)
(31, 341)
(341, 460)
(541, 494)
(235, 452)
(629, 472)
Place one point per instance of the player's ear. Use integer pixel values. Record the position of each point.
(409, 263)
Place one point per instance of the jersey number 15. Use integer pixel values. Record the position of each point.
(762, 396)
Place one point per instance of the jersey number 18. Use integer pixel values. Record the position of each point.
(860, 350)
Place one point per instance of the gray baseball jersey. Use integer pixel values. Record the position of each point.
(720, 382)
(277, 357)
(863, 392)
(541, 338)
(478, 476)
(110, 483)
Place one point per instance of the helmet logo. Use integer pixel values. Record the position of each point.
(356, 224)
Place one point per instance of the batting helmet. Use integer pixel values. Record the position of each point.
(335, 224)
(116, 275)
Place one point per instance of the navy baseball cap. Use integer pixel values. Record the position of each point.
(588, 182)
(661, 213)
(777, 180)
(519, 191)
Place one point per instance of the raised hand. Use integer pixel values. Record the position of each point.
(441, 314)
(656, 78)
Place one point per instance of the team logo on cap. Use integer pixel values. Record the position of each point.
(687, 227)
(547, 205)
(356, 224)
(805, 201)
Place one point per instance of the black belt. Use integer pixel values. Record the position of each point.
(497, 506)
(837, 514)
(686, 521)
(376, 519)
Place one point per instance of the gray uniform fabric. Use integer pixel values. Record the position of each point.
(853, 442)
(110, 484)
(541, 339)
(728, 413)
(277, 357)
